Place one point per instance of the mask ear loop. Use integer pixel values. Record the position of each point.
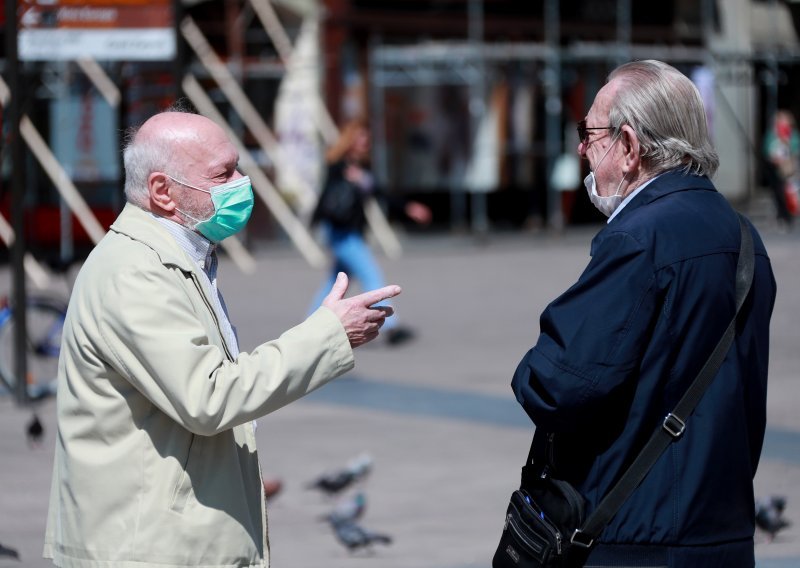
(617, 193)
(624, 175)
(183, 183)
(613, 141)
(195, 220)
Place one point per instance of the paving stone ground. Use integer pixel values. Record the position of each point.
(436, 415)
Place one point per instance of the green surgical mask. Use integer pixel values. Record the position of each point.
(233, 203)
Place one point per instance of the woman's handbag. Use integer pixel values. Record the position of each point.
(339, 203)
(545, 525)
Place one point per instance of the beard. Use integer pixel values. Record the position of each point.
(194, 211)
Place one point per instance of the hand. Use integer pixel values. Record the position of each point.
(357, 175)
(361, 320)
(418, 212)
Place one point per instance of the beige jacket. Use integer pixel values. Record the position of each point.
(155, 461)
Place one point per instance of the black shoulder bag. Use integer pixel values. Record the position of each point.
(545, 524)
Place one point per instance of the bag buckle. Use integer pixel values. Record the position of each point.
(674, 425)
(581, 539)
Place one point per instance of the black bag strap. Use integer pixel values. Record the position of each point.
(675, 422)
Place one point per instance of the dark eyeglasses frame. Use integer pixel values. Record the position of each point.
(583, 130)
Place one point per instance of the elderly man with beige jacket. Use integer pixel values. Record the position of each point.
(156, 460)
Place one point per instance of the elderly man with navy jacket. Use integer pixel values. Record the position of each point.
(620, 347)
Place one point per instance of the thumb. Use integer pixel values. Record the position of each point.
(339, 288)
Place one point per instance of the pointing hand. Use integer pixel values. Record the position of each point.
(359, 316)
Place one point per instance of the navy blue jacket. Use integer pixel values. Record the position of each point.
(620, 347)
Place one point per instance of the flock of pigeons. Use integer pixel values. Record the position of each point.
(345, 485)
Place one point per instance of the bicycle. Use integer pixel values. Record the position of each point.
(45, 320)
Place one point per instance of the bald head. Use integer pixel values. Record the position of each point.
(175, 143)
(174, 128)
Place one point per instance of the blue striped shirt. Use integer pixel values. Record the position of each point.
(204, 253)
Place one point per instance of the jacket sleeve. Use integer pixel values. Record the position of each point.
(591, 338)
(154, 338)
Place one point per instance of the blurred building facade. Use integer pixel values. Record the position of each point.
(472, 103)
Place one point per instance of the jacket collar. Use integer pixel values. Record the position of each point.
(669, 182)
(139, 225)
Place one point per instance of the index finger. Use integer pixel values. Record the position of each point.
(375, 296)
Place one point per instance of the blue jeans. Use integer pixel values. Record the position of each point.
(352, 256)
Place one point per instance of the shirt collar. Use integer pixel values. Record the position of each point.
(193, 243)
(630, 197)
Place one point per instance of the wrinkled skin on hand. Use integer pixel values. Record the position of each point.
(361, 319)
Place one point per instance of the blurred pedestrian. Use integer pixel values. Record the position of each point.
(155, 460)
(782, 165)
(620, 347)
(340, 211)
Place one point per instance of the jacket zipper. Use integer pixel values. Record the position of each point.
(210, 307)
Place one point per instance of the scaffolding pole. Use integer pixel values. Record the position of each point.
(280, 39)
(376, 220)
(18, 251)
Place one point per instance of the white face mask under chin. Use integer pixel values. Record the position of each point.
(606, 205)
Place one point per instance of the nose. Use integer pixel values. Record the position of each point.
(582, 149)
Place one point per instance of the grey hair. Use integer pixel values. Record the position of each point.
(140, 158)
(666, 111)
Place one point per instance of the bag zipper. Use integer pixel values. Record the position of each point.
(512, 524)
(539, 513)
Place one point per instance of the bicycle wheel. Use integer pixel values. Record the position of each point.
(45, 320)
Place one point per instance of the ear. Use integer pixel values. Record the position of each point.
(160, 199)
(631, 150)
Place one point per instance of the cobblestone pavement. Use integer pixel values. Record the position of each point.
(436, 414)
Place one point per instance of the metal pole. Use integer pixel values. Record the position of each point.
(17, 202)
(624, 31)
(773, 75)
(179, 63)
(67, 245)
(477, 111)
(552, 88)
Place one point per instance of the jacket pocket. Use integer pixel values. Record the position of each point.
(183, 490)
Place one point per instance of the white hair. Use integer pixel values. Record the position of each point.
(156, 153)
(666, 111)
(140, 159)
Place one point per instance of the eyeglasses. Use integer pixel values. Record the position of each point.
(583, 130)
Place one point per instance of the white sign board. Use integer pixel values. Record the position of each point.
(129, 30)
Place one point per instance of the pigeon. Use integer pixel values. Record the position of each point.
(769, 515)
(348, 510)
(355, 537)
(10, 552)
(34, 431)
(335, 482)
